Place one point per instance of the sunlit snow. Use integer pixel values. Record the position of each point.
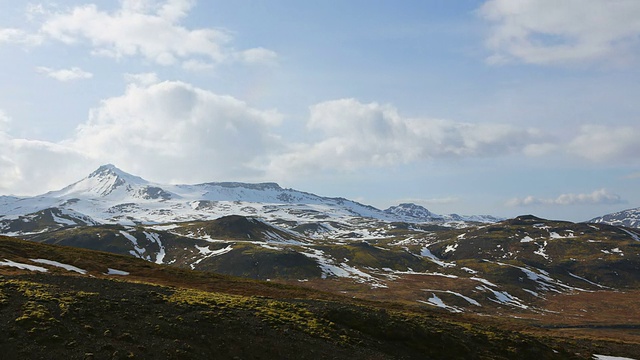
(22, 266)
(60, 265)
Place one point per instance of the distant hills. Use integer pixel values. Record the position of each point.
(629, 218)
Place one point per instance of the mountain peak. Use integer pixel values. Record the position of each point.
(110, 170)
(103, 181)
(413, 211)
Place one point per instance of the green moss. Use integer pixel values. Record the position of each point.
(273, 312)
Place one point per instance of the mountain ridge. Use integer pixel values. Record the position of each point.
(629, 218)
(110, 195)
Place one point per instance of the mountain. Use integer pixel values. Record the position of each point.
(413, 212)
(66, 303)
(629, 218)
(112, 196)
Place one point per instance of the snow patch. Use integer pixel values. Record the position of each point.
(484, 281)
(60, 265)
(541, 250)
(588, 281)
(470, 271)
(632, 234)
(155, 238)
(22, 266)
(468, 299)
(607, 357)
(451, 248)
(526, 239)
(138, 251)
(436, 301)
(111, 271)
(204, 250)
(427, 253)
(503, 297)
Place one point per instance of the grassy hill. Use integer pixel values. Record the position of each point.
(54, 311)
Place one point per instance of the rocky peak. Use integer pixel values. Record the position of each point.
(412, 211)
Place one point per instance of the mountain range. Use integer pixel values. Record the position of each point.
(539, 273)
(112, 196)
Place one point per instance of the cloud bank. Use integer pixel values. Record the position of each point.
(174, 125)
(550, 32)
(149, 29)
(598, 197)
(353, 135)
(174, 131)
(74, 73)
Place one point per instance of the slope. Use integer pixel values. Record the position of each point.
(65, 303)
(629, 218)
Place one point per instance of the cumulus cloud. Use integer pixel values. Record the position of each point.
(175, 125)
(600, 143)
(598, 197)
(166, 131)
(353, 135)
(74, 73)
(561, 32)
(147, 28)
(32, 166)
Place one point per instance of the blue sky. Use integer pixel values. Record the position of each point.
(474, 107)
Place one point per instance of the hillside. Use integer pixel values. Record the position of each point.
(65, 303)
(629, 218)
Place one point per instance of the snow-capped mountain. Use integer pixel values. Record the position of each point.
(628, 218)
(414, 212)
(417, 213)
(112, 196)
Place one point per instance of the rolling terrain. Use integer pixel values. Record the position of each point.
(577, 281)
(68, 303)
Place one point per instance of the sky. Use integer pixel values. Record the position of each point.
(501, 107)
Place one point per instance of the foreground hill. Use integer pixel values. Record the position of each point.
(65, 303)
(515, 265)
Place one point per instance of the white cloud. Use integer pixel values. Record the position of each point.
(150, 29)
(600, 143)
(598, 197)
(175, 128)
(20, 37)
(31, 167)
(258, 56)
(166, 131)
(74, 73)
(354, 135)
(562, 32)
(142, 79)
